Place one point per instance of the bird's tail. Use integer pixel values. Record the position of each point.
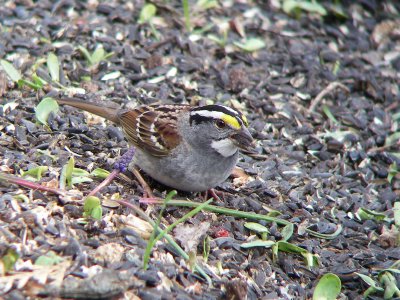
(102, 111)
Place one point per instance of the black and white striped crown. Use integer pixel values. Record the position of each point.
(207, 113)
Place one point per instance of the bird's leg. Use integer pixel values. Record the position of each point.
(143, 183)
(122, 165)
(214, 194)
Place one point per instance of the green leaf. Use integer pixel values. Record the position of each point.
(294, 6)
(206, 248)
(372, 283)
(390, 284)
(148, 11)
(96, 212)
(44, 108)
(186, 15)
(338, 11)
(36, 172)
(32, 85)
(207, 4)
(287, 232)
(251, 44)
(69, 169)
(90, 203)
(396, 213)
(258, 243)
(367, 214)
(370, 290)
(311, 259)
(66, 174)
(392, 172)
(86, 54)
(12, 72)
(313, 7)
(396, 116)
(54, 67)
(326, 236)
(80, 172)
(49, 259)
(288, 247)
(9, 260)
(38, 81)
(98, 55)
(100, 173)
(392, 139)
(329, 114)
(219, 41)
(336, 67)
(108, 55)
(80, 179)
(47, 153)
(92, 208)
(275, 251)
(111, 76)
(22, 197)
(256, 227)
(328, 287)
(274, 213)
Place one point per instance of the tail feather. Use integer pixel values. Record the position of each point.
(105, 112)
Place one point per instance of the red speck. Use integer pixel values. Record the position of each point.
(221, 233)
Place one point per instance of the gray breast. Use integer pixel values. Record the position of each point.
(193, 172)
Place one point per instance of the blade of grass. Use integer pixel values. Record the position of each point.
(324, 235)
(186, 14)
(86, 54)
(228, 211)
(152, 239)
(329, 114)
(161, 234)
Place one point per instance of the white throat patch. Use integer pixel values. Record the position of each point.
(224, 147)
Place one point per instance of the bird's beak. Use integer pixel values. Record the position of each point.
(243, 139)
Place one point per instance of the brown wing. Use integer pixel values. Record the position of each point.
(153, 128)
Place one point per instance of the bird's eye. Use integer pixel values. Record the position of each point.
(220, 124)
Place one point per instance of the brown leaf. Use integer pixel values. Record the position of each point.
(190, 235)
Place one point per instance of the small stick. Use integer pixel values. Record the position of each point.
(324, 92)
(29, 184)
(105, 182)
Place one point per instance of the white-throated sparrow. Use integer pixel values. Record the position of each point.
(187, 148)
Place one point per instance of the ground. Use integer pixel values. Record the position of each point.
(320, 88)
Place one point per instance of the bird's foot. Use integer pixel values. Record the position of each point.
(214, 194)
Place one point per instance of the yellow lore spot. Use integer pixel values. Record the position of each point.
(231, 121)
(244, 119)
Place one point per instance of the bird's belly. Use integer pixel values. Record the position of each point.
(181, 173)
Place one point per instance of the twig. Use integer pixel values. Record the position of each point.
(105, 182)
(29, 184)
(324, 92)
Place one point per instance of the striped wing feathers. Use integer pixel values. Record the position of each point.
(153, 128)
